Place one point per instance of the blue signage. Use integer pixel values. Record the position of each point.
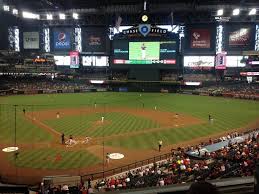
(62, 40)
(144, 29)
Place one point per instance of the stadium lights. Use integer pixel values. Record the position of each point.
(252, 11)
(236, 11)
(75, 16)
(29, 15)
(15, 11)
(62, 16)
(220, 12)
(49, 17)
(6, 8)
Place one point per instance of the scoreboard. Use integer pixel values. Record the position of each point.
(145, 52)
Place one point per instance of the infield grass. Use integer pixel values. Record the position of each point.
(227, 114)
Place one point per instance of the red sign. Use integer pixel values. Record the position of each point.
(240, 37)
(200, 38)
(74, 59)
(221, 60)
(39, 60)
(170, 61)
(249, 73)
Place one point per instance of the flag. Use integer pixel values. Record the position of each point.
(172, 18)
(118, 23)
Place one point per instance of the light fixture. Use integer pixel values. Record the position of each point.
(15, 11)
(236, 11)
(252, 11)
(62, 16)
(75, 16)
(29, 15)
(49, 17)
(220, 12)
(6, 7)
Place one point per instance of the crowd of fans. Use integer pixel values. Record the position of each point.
(120, 76)
(169, 76)
(43, 83)
(199, 77)
(240, 88)
(233, 160)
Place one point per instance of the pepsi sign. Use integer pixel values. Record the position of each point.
(62, 40)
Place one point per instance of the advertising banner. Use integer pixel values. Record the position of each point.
(31, 40)
(199, 62)
(62, 60)
(200, 38)
(221, 61)
(62, 39)
(94, 40)
(74, 59)
(240, 37)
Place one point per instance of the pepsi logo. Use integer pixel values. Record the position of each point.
(62, 37)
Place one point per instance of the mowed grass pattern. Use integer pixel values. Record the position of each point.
(227, 114)
(54, 159)
(90, 124)
(25, 130)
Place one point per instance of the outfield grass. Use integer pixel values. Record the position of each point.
(227, 114)
(54, 159)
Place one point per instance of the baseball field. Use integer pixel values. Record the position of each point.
(100, 123)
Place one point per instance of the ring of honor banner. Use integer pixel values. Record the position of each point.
(200, 39)
(74, 59)
(31, 40)
(239, 37)
(94, 40)
(221, 61)
(62, 39)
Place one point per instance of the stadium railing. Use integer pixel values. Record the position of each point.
(125, 168)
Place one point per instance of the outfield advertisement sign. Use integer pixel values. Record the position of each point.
(31, 40)
(62, 39)
(199, 62)
(200, 38)
(239, 37)
(94, 40)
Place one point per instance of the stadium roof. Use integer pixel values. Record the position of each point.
(162, 5)
(187, 11)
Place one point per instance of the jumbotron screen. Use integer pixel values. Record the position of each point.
(149, 52)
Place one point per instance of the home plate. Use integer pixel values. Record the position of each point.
(116, 156)
(176, 125)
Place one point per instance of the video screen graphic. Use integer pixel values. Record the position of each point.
(199, 62)
(62, 60)
(144, 50)
(149, 52)
(236, 61)
(96, 61)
